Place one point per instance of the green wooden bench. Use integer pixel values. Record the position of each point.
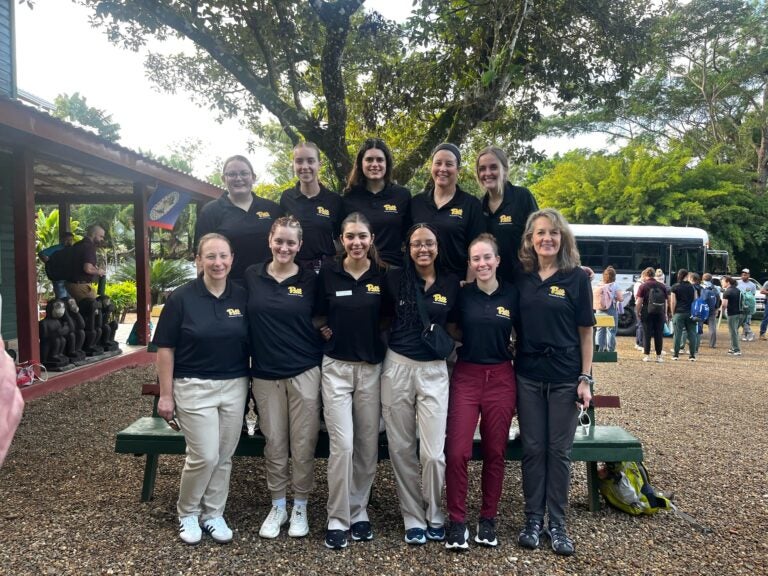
(151, 436)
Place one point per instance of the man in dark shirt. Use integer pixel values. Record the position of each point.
(680, 301)
(84, 270)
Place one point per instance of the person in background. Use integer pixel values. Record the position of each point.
(349, 302)
(482, 386)
(505, 207)
(695, 279)
(639, 330)
(11, 402)
(372, 192)
(202, 367)
(455, 214)
(318, 210)
(414, 385)
(286, 350)
(84, 270)
(553, 365)
(680, 300)
(712, 295)
(731, 307)
(606, 336)
(56, 267)
(764, 323)
(745, 285)
(241, 216)
(653, 320)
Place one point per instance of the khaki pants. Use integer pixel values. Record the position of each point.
(352, 408)
(81, 291)
(210, 413)
(289, 418)
(416, 393)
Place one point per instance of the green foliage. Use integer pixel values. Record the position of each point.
(334, 74)
(47, 228)
(75, 109)
(645, 185)
(164, 275)
(123, 295)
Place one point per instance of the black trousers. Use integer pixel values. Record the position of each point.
(653, 325)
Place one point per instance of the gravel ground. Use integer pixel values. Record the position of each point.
(70, 505)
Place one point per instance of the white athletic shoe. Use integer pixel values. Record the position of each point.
(299, 524)
(217, 529)
(189, 530)
(270, 528)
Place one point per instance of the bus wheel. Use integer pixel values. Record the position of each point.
(627, 322)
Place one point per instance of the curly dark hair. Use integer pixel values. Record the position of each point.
(408, 309)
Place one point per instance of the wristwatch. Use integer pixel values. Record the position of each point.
(586, 378)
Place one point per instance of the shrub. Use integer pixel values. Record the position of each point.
(123, 295)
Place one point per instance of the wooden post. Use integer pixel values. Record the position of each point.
(143, 301)
(64, 213)
(28, 330)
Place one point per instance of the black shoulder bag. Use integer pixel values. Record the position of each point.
(434, 336)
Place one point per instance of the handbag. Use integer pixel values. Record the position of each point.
(433, 336)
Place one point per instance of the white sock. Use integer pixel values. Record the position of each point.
(280, 503)
(299, 501)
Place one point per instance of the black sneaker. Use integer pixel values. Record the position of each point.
(415, 536)
(361, 531)
(457, 537)
(486, 532)
(335, 539)
(530, 534)
(561, 544)
(436, 533)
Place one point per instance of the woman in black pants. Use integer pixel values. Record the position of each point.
(652, 314)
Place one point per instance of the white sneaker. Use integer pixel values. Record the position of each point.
(659, 359)
(646, 358)
(189, 530)
(270, 528)
(217, 529)
(638, 347)
(299, 525)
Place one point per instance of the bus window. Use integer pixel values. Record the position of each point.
(620, 255)
(648, 254)
(691, 258)
(591, 253)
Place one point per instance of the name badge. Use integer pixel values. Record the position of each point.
(343, 293)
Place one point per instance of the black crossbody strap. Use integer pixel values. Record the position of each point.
(420, 305)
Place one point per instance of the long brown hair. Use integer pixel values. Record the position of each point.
(373, 254)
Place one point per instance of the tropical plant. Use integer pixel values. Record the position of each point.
(164, 275)
(123, 296)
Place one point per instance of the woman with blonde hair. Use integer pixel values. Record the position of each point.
(607, 290)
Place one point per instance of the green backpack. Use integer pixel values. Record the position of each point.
(625, 486)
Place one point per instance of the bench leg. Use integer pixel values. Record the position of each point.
(150, 473)
(593, 484)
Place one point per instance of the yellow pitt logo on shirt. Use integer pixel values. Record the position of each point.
(457, 212)
(502, 312)
(262, 215)
(373, 289)
(440, 299)
(504, 219)
(557, 292)
(293, 291)
(323, 212)
(391, 208)
(234, 313)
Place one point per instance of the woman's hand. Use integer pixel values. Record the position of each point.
(584, 393)
(165, 407)
(326, 332)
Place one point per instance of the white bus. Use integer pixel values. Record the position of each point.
(630, 249)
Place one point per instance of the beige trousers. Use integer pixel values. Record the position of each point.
(289, 418)
(81, 291)
(415, 393)
(352, 408)
(210, 414)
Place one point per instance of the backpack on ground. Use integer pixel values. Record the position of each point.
(625, 486)
(657, 299)
(602, 298)
(700, 309)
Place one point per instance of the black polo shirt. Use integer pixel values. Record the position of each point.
(685, 294)
(457, 223)
(439, 300)
(550, 313)
(486, 322)
(248, 232)
(284, 342)
(507, 224)
(83, 252)
(209, 334)
(353, 311)
(389, 212)
(320, 218)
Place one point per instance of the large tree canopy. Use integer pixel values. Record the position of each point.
(330, 72)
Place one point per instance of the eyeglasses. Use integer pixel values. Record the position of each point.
(243, 174)
(584, 420)
(429, 244)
